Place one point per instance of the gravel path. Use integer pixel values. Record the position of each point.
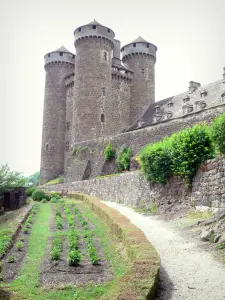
(187, 272)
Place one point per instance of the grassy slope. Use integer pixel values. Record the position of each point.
(26, 285)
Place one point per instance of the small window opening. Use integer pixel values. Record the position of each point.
(103, 91)
(49, 55)
(73, 56)
(47, 147)
(68, 125)
(102, 118)
(67, 146)
(134, 44)
(122, 49)
(147, 45)
(94, 27)
(105, 56)
(109, 30)
(61, 53)
(79, 29)
(142, 71)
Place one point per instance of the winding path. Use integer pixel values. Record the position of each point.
(187, 271)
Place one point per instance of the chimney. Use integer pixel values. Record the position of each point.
(193, 86)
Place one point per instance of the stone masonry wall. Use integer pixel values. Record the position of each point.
(93, 150)
(209, 184)
(131, 188)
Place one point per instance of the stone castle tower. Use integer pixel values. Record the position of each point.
(93, 94)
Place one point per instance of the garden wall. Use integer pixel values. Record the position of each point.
(86, 160)
(141, 281)
(133, 189)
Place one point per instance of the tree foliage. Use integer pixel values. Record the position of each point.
(34, 179)
(218, 133)
(10, 179)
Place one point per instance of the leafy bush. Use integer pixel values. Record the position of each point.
(19, 246)
(109, 153)
(38, 195)
(218, 133)
(30, 191)
(56, 248)
(156, 162)
(74, 257)
(5, 241)
(11, 259)
(55, 195)
(190, 147)
(53, 200)
(47, 197)
(26, 230)
(123, 159)
(43, 200)
(93, 254)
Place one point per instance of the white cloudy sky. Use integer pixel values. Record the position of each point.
(190, 36)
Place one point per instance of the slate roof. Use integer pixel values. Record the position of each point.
(140, 40)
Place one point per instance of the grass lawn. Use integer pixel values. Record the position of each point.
(26, 286)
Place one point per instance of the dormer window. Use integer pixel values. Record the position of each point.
(203, 93)
(170, 104)
(94, 27)
(134, 44)
(187, 109)
(61, 53)
(186, 98)
(223, 97)
(157, 109)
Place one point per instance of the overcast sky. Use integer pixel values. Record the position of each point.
(190, 36)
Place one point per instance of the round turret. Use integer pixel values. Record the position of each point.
(59, 55)
(58, 64)
(93, 29)
(92, 85)
(140, 57)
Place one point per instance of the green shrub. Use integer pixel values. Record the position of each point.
(74, 257)
(5, 241)
(156, 162)
(123, 159)
(61, 201)
(38, 195)
(26, 230)
(47, 197)
(53, 200)
(93, 255)
(11, 259)
(218, 133)
(30, 191)
(109, 153)
(55, 195)
(19, 246)
(189, 148)
(43, 200)
(56, 248)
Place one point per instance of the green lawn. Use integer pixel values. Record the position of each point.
(26, 286)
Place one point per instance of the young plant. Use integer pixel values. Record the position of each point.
(11, 259)
(19, 246)
(56, 248)
(26, 230)
(74, 257)
(109, 153)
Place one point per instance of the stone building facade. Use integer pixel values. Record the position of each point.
(95, 97)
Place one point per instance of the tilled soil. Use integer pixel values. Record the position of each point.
(63, 274)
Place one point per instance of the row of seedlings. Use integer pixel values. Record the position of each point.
(57, 243)
(26, 230)
(74, 256)
(58, 216)
(89, 238)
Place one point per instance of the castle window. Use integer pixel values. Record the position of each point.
(170, 104)
(134, 44)
(79, 29)
(73, 56)
(67, 146)
(103, 91)
(61, 53)
(122, 49)
(102, 118)
(157, 109)
(108, 30)
(186, 99)
(68, 125)
(203, 93)
(147, 45)
(49, 55)
(94, 27)
(143, 71)
(47, 147)
(105, 56)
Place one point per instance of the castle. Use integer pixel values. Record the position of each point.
(94, 97)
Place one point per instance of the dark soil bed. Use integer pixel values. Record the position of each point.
(85, 272)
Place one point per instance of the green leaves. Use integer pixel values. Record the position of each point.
(218, 133)
(181, 154)
(109, 152)
(123, 159)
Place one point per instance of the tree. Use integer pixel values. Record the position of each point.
(10, 179)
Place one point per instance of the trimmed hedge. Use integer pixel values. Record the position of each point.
(38, 195)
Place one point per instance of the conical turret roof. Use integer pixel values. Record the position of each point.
(94, 23)
(140, 40)
(62, 49)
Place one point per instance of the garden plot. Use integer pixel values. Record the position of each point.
(73, 255)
